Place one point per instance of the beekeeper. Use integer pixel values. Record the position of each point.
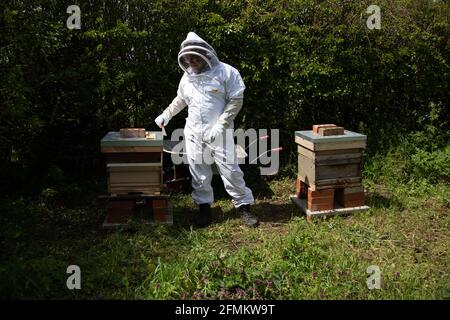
(214, 93)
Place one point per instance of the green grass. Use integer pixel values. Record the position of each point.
(405, 233)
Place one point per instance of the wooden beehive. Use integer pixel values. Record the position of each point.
(329, 171)
(329, 161)
(134, 165)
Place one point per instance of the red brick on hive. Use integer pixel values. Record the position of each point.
(132, 133)
(120, 211)
(301, 189)
(350, 197)
(316, 127)
(160, 209)
(333, 131)
(320, 199)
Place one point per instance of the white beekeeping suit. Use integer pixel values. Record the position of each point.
(214, 95)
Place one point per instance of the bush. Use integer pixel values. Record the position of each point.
(432, 165)
(421, 155)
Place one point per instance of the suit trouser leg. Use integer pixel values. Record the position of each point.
(232, 176)
(201, 171)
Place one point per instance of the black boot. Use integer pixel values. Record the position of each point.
(247, 217)
(204, 217)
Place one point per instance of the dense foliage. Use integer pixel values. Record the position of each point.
(303, 61)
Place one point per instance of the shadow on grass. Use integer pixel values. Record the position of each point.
(383, 201)
(278, 213)
(259, 186)
(281, 212)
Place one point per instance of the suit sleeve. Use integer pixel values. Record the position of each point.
(177, 104)
(234, 85)
(235, 88)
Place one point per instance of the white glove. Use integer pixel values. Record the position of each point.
(162, 120)
(215, 132)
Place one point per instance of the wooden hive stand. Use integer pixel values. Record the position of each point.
(147, 209)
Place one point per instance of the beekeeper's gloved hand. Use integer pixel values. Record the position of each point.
(162, 120)
(226, 119)
(215, 132)
(175, 107)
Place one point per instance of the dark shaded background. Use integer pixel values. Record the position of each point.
(304, 62)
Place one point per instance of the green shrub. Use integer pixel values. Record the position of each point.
(432, 165)
(419, 155)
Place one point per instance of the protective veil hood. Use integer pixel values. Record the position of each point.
(194, 45)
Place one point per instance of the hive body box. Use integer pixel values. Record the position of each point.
(329, 161)
(329, 171)
(133, 164)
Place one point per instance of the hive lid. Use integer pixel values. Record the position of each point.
(317, 138)
(113, 139)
